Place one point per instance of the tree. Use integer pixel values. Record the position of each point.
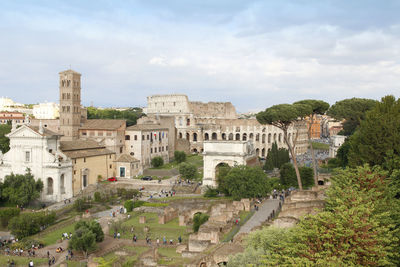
(6, 214)
(288, 176)
(130, 115)
(284, 116)
(4, 140)
(221, 171)
(318, 107)
(187, 170)
(128, 204)
(247, 182)
(276, 157)
(352, 111)
(179, 156)
(157, 162)
(81, 204)
(307, 176)
(198, 220)
(27, 224)
(21, 189)
(378, 133)
(87, 233)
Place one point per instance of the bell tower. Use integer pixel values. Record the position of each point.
(70, 104)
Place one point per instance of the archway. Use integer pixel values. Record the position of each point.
(195, 137)
(257, 137)
(263, 152)
(231, 136)
(269, 138)
(257, 152)
(62, 185)
(237, 137)
(221, 170)
(49, 186)
(263, 139)
(180, 136)
(187, 136)
(206, 136)
(223, 136)
(214, 136)
(251, 136)
(244, 137)
(194, 150)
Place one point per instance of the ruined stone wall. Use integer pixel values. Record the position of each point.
(223, 110)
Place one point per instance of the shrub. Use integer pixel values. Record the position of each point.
(187, 170)
(27, 224)
(128, 193)
(198, 220)
(97, 197)
(211, 192)
(81, 204)
(157, 162)
(128, 205)
(180, 156)
(6, 214)
(138, 203)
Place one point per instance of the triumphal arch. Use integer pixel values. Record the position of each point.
(231, 152)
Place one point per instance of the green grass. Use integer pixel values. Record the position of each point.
(75, 264)
(21, 261)
(170, 230)
(110, 259)
(197, 160)
(155, 204)
(169, 256)
(320, 146)
(244, 217)
(51, 237)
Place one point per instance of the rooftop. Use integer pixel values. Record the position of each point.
(103, 124)
(126, 158)
(140, 127)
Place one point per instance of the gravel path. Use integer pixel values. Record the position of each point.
(260, 216)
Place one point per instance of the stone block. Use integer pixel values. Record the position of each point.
(161, 219)
(180, 248)
(246, 204)
(182, 220)
(142, 219)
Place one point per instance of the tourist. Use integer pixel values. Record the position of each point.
(171, 242)
(118, 235)
(134, 238)
(53, 260)
(72, 254)
(164, 240)
(49, 262)
(115, 235)
(180, 239)
(48, 254)
(158, 241)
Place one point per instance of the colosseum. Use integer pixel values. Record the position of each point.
(196, 122)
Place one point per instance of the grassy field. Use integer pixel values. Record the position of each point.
(51, 237)
(170, 230)
(197, 160)
(169, 256)
(21, 261)
(320, 146)
(133, 253)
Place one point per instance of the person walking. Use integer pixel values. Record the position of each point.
(115, 235)
(118, 235)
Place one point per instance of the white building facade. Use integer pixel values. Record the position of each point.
(37, 149)
(335, 142)
(46, 111)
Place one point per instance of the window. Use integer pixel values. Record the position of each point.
(127, 137)
(100, 133)
(74, 172)
(110, 156)
(132, 153)
(135, 137)
(91, 133)
(108, 133)
(27, 156)
(143, 137)
(155, 150)
(151, 150)
(166, 148)
(120, 149)
(148, 137)
(110, 166)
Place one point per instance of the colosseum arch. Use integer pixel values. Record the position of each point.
(180, 135)
(214, 136)
(206, 137)
(231, 136)
(223, 136)
(237, 137)
(251, 136)
(258, 152)
(194, 137)
(244, 137)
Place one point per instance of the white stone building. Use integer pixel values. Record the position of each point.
(37, 148)
(46, 111)
(335, 142)
(145, 142)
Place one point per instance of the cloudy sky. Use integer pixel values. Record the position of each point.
(252, 53)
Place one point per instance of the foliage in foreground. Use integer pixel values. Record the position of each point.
(157, 162)
(30, 223)
(179, 156)
(198, 220)
(187, 170)
(4, 140)
(20, 189)
(244, 182)
(288, 176)
(276, 158)
(6, 214)
(353, 230)
(87, 233)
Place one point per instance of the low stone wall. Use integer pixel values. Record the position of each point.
(196, 245)
(303, 204)
(161, 172)
(302, 196)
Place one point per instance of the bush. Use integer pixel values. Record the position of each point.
(97, 197)
(128, 193)
(81, 204)
(6, 214)
(27, 224)
(85, 237)
(198, 220)
(138, 203)
(187, 170)
(157, 162)
(180, 156)
(289, 179)
(211, 192)
(128, 205)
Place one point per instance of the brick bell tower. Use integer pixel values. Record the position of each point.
(70, 104)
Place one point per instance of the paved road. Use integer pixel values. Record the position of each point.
(265, 209)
